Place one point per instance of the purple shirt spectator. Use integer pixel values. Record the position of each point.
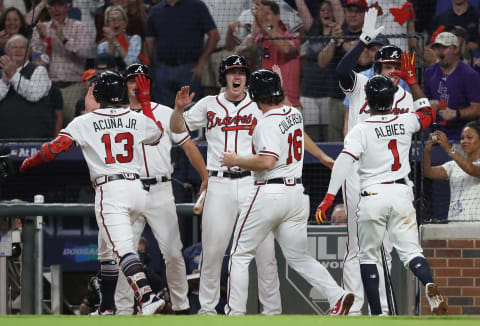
(458, 90)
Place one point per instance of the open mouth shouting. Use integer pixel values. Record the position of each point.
(236, 85)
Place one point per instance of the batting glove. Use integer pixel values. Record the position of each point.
(143, 84)
(408, 69)
(320, 214)
(369, 33)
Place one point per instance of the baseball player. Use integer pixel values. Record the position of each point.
(276, 203)
(229, 119)
(160, 211)
(109, 137)
(387, 59)
(381, 145)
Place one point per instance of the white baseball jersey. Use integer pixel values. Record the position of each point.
(156, 159)
(109, 138)
(360, 111)
(287, 122)
(382, 146)
(228, 127)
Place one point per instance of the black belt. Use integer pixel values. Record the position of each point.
(176, 62)
(231, 175)
(147, 182)
(402, 181)
(109, 178)
(285, 181)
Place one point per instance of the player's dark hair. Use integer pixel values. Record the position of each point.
(273, 6)
(271, 100)
(474, 125)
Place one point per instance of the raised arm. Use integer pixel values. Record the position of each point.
(182, 99)
(345, 67)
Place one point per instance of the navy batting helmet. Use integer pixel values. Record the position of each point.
(109, 88)
(137, 69)
(387, 53)
(264, 83)
(380, 92)
(230, 62)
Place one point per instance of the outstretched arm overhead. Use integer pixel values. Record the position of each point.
(345, 67)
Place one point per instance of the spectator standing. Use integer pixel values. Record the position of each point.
(25, 110)
(66, 41)
(398, 17)
(88, 77)
(11, 22)
(282, 52)
(452, 86)
(126, 48)
(462, 172)
(330, 56)
(313, 93)
(463, 14)
(175, 31)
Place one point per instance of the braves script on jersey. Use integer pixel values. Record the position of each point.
(228, 127)
(109, 137)
(286, 123)
(359, 110)
(382, 145)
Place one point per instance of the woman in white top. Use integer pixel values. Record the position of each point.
(463, 172)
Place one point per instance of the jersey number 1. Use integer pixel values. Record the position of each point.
(392, 145)
(295, 142)
(119, 138)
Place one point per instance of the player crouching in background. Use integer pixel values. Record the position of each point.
(381, 144)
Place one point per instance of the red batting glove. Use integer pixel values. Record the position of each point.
(320, 214)
(30, 162)
(143, 85)
(408, 69)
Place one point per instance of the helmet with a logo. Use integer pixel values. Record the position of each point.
(264, 83)
(387, 53)
(109, 88)
(380, 93)
(137, 69)
(230, 62)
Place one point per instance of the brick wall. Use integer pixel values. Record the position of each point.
(455, 265)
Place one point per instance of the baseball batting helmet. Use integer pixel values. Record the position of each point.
(109, 88)
(230, 62)
(137, 69)
(265, 83)
(387, 53)
(380, 92)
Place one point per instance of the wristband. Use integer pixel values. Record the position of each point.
(421, 103)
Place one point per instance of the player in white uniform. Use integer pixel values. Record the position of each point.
(381, 144)
(160, 211)
(109, 137)
(276, 203)
(229, 119)
(387, 60)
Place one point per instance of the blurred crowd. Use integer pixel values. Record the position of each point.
(51, 50)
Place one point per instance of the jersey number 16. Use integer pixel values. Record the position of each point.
(294, 145)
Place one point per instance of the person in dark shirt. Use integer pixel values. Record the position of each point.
(175, 31)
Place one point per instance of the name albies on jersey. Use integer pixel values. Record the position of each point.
(360, 111)
(381, 144)
(280, 134)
